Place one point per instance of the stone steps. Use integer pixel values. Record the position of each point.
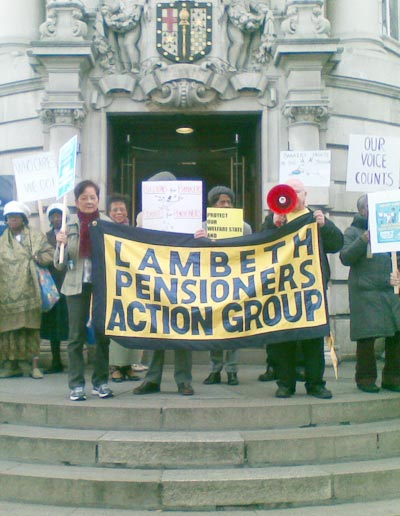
(235, 449)
(193, 489)
(178, 449)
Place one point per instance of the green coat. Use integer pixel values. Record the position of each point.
(20, 298)
(374, 308)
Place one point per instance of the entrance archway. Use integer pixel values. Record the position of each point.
(221, 150)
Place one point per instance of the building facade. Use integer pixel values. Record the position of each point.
(250, 77)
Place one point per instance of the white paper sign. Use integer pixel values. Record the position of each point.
(313, 168)
(384, 221)
(373, 163)
(67, 167)
(172, 205)
(36, 176)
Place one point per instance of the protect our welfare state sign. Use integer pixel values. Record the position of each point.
(36, 176)
(373, 163)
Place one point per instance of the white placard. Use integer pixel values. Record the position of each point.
(384, 221)
(172, 205)
(67, 167)
(313, 168)
(36, 176)
(373, 163)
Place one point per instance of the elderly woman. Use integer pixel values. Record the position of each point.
(77, 287)
(21, 248)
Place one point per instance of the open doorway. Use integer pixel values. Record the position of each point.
(223, 149)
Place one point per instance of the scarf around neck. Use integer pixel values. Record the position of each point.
(85, 248)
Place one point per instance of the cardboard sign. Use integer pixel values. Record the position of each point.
(373, 163)
(384, 221)
(313, 168)
(224, 223)
(36, 176)
(67, 167)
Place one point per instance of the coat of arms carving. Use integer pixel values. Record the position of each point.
(184, 30)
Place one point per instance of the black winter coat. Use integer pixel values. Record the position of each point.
(374, 308)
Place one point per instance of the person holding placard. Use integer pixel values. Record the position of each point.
(284, 354)
(77, 287)
(182, 357)
(22, 248)
(54, 325)
(222, 197)
(374, 307)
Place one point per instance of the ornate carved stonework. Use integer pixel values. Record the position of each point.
(298, 113)
(305, 19)
(64, 21)
(63, 116)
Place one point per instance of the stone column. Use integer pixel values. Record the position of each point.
(66, 56)
(355, 20)
(20, 20)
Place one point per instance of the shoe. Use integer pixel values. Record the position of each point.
(117, 376)
(233, 379)
(319, 391)
(131, 376)
(54, 368)
(139, 368)
(102, 391)
(36, 374)
(147, 388)
(268, 376)
(368, 387)
(391, 387)
(212, 379)
(77, 394)
(185, 389)
(283, 392)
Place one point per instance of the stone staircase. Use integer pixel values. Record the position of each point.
(226, 448)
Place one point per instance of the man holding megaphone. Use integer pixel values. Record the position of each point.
(288, 202)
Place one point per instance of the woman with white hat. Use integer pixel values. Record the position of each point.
(21, 249)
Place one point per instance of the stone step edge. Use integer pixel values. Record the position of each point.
(200, 415)
(150, 449)
(376, 508)
(176, 489)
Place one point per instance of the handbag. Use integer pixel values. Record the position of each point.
(48, 288)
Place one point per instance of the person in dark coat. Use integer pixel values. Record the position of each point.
(374, 307)
(284, 354)
(54, 325)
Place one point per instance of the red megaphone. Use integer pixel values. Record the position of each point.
(282, 199)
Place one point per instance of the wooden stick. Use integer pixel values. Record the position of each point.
(63, 226)
(395, 269)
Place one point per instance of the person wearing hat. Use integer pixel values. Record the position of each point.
(54, 325)
(222, 197)
(182, 357)
(21, 249)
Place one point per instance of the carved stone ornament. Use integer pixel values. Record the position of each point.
(64, 21)
(306, 113)
(305, 19)
(63, 116)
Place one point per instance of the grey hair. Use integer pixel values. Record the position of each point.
(362, 202)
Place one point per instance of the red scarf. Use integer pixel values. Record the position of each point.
(85, 247)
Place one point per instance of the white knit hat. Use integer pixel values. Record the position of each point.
(16, 207)
(57, 206)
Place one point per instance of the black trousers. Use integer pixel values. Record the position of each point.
(284, 358)
(78, 313)
(366, 371)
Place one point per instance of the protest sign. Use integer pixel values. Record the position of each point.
(251, 291)
(384, 221)
(36, 176)
(67, 167)
(172, 205)
(373, 163)
(224, 222)
(313, 168)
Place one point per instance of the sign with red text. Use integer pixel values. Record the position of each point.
(174, 206)
(373, 163)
